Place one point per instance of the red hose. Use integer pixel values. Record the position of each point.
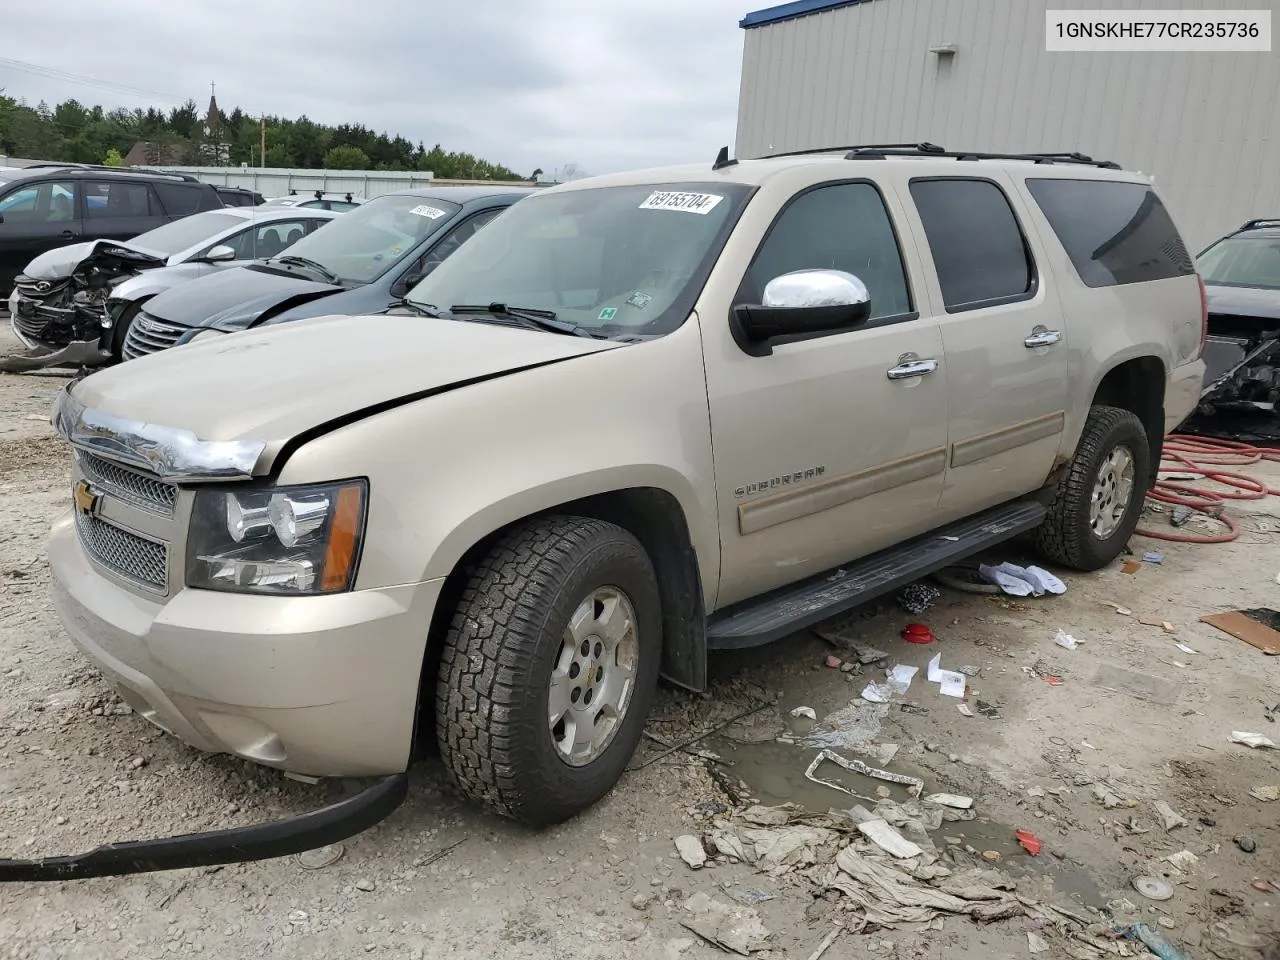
(1186, 454)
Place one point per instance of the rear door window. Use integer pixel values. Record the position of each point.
(1114, 232)
(978, 248)
(116, 201)
(180, 199)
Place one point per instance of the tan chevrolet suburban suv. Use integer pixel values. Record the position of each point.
(638, 418)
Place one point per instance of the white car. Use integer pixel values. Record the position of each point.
(82, 296)
(341, 202)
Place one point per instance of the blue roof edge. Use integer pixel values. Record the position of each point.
(789, 11)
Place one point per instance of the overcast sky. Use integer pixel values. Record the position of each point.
(605, 84)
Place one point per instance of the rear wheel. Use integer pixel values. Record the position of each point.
(549, 668)
(1098, 500)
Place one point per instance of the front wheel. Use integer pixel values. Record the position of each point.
(1098, 500)
(549, 668)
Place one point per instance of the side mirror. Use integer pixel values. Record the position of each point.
(412, 278)
(220, 254)
(800, 304)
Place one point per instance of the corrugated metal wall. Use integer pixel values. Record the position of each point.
(1204, 124)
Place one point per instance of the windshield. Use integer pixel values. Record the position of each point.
(359, 246)
(1242, 262)
(613, 260)
(185, 233)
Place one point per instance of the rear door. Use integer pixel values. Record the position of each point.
(1003, 335)
(35, 217)
(119, 210)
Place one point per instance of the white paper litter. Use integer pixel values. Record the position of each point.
(900, 677)
(952, 683)
(877, 692)
(1184, 648)
(950, 800)
(1255, 740)
(691, 852)
(1064, 639)
(888, 839)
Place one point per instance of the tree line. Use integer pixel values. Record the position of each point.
(73, 132)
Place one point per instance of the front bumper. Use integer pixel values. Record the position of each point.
(320, 686)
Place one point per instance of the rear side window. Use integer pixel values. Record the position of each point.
(978, 248)
(180, 199)
(1114, 232)
(116, 201)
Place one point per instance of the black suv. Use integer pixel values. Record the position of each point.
(52, 205)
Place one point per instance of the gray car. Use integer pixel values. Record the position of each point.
(87, 293)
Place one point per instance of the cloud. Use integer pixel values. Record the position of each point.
(608, 86)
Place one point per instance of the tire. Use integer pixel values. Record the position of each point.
(121, 330)
(1071, 535)
(510, 629)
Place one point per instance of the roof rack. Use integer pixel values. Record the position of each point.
(923, 147)
(1264, 222)
(71, 165)
(930, 150)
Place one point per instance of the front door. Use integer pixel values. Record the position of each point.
(1005, 339)
(35, 217)
(821, 457)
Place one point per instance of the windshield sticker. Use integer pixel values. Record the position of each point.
(639, 300)
(428, 211)
(702, 203)
(608, 313)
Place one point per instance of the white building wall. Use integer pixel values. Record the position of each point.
(1205, 125)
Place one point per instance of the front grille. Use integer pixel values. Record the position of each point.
(39, 309)
(147, 493)
(148, 334)
(135, 558)
(39, 289)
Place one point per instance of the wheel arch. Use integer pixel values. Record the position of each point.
(655, 517)
(1137, 384)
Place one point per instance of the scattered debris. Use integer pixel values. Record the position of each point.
(1265, 794)
(1184, 648)
(1042, 671)
(1036, 943)
(1172, 819)
(1183, 861)
(965, 709)
(827, 941)
(876, 693)
(803, 720)
(1118, 608)
(992, 855)
(1130, 566)
(691, 852)
(1247, 844)
(365, 885)
(736, 929)
(1265, 886)
(989, 710)
(969, 671)
(917, 633)
(1064, 639)
(913, 708)
(900, 678)
(1157, 944)
(888, 839)
(950, 800)
(834, 662)
(320, 857)
(1164, 625)
(1255, 740)
(1153, 888)
(1151, 556)
(915, 784)
(1029, 842)
(951, 683)
(1180, 514)
(1107, 798)
(1251, 626)
(916, 598)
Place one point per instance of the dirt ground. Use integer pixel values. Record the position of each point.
(1134, 716)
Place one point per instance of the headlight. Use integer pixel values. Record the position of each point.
(113, 310)
(284, 540)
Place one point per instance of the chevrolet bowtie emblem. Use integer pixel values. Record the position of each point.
(86, 499)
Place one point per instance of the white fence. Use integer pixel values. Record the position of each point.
(279, 181)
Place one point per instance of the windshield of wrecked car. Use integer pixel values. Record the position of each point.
(1242, 262)
(185, 233)
(621, 260)
(359, 246)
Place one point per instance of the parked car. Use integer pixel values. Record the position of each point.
(49, 206)
(1242, 278)
(239, 197)
(319, 200)
(636, 419)
(361, 264)
(74, 304)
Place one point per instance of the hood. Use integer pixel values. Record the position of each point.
(112, 255)
(273, 384)
(1243, 301)
(234, 299)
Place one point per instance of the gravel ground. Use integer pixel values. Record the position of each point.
(1153, 722)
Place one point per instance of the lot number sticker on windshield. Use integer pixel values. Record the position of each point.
(431, 213)
(701, 203)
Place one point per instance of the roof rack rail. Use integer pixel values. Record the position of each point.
(1263, 222)
(923, 147)
(880, 153)
(72, 165)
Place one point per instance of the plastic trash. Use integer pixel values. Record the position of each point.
(1064, 639)
(1157, 944)
(1029, 842)
(1014, 586)
(1255, 740)
(1151, 556)
(917, 633)
(1153, 888)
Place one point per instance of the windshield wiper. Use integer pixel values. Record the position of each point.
(529, 317)
(319, 268)
(422, 309)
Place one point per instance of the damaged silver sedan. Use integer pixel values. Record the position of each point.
(72, 306)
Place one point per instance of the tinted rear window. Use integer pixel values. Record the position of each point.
(180, 199)
(977, 245)
(1114, 232)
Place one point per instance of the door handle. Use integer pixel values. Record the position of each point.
(66, 233)
(1041, 337)
(906, 369)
